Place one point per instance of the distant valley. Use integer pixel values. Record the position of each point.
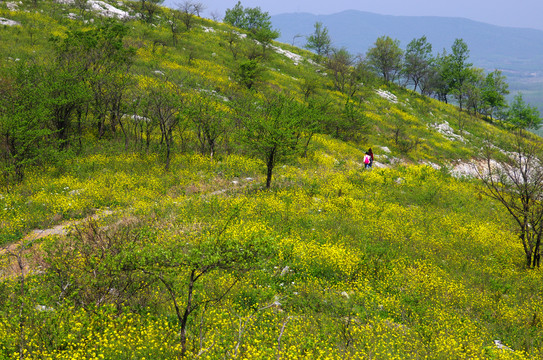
(517, 52)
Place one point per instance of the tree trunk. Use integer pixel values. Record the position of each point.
(307, 145)
(537, 254)
(79, 129)
(270, 164)
(188, 310)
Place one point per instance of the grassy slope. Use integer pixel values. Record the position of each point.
(402, 262)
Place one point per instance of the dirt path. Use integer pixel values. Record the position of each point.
(14, 255)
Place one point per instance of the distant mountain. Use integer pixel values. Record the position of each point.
(518, 52)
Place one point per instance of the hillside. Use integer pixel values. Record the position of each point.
(516, 52)
(137, 222)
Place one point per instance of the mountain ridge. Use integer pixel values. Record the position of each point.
(517, 52)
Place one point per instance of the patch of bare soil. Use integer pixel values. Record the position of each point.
(14, 256)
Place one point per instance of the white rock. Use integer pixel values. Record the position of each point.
(8, 22)
(387, 95)
(285, 270)
(501, 346)
(107, 10)
(43, 308)
(292, 56)
(12, 6)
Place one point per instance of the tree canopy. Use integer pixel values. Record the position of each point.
(386, 57)
(522, 115)
(253, 20)
(320, 40)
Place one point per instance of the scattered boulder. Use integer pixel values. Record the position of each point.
(387, 95)
(285, 270)
(447, 131)
(12, 6)
(385, 149)
(501, 346)
(8, 22)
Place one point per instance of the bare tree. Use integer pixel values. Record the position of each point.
(172, 18)
(198, 8)
(215, 16)
(515, 180)
(187, 11)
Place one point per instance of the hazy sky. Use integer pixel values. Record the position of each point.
(515, 13)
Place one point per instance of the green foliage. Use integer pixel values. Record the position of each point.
(493, 93)
(351, 124)
(254, 20)
(343, 67)
(418, 61)
(211, 122)
(26, 140)
(522, 115)
(272, 128)
(319, 41)
(386, 58)
(456, 71)
(249, 73)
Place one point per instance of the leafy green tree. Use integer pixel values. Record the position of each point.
(235, 16)
(342, 66)
(173, 21)
(264, 36)
(254, 20)
(319, 41)
(456, 72)
(436, 84)
(25, 138)
(473, 90)
(68, 94)
(165, 105)
(351, 124)
(417, 62)
(272, 127)
(318, 112)
(386, 58)
(249, 73)
(210, 119)
(234, 42)
(99, 57)
(493, 93)
(309, 86)
(522, 115)
(183, 267)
